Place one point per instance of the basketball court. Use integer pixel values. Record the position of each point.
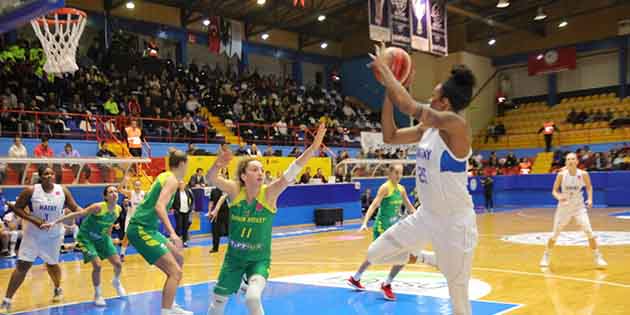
(310, 265)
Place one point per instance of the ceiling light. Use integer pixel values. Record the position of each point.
(324, 45)
(539, 57)
(260, 2)
(264, 36)
(206, 22)
(321, 18)
(540, 15)
(563, 24)
(492, 41)
(503, 4)
(130, 5)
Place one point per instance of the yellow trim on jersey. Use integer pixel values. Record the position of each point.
(163, 177)
(391, 188)
(242, 195)
(105, 209)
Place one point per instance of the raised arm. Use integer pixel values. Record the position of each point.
(391, 133)
(223, 160)
(382, 192)
(556, 189)
(589, 190)
(280, 184)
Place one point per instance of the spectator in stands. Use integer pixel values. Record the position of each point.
(253, 151)
(510, 160)
(242, 149)
(183, 206)
(105, 169)
(192, 104)
(618, 162)
(490, 132)
(572, 116)
(110, 107)
(320, 175)
(609, 114)
(190, 126)
(18, 150)
(133, 107)
(548, 129)
(499, 130)
(306, 176)
(493, 161)
(71, 153)
(525, 166)
(581, 117)
(134, 136)
(268, 178)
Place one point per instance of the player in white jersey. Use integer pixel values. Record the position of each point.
(446, 218)
(571, 181)
(46, 203)
(135, 197)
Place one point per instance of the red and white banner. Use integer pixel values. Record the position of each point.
(554, 60)
(214, 35)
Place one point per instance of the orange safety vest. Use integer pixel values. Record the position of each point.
(133, 137)
(548, 128)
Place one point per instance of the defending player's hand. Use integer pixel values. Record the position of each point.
(319, 136)
(176, 241)
(223, 158)
(46, 226)
(363, 228)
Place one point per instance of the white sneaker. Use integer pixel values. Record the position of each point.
(178, 310)
(119, 288)
(57, 295)
(99, 301)
(5, 308)
(544, 262)
(599, 261)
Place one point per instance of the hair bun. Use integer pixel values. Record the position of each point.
(463, 76)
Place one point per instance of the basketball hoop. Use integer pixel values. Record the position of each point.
(59, 32)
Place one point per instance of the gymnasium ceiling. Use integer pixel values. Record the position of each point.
(480, 18)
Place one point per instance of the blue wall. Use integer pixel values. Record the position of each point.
(532, 152)
(89, 148)
(609, 189)
(295, 206)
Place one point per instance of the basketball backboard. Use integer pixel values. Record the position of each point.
(17, 13)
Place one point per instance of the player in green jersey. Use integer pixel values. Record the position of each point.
(391, 195)
(95, 239)
(252, 210)
(145, 237)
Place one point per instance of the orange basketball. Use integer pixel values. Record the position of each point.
(399, 62)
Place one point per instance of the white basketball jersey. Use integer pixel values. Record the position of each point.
(48, 207)
(441, 179)
(136, 198)
(572, 188)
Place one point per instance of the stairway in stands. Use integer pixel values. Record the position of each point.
(220, 127)
(542, 164)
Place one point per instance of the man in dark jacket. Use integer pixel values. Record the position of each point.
(219, 214)
(183, 206)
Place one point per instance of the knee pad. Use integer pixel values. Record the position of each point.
(254, 293)
(13, 236)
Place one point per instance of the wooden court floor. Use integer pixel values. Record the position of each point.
(571, 286)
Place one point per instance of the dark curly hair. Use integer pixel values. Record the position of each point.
(458, 88)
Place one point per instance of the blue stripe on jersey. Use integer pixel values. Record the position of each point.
(449, 164)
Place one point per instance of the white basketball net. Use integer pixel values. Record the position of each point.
(59, 35)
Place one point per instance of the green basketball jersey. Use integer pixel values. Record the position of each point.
(96, 225)
(145, 214)
(250, 227)
(389, 210)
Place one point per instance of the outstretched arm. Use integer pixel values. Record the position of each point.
(94, 208)
(228, 186)
(280, 184)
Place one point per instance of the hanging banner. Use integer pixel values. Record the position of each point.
(554, 60)
(437, 27)
(401, 24)
(420, 25)
(214, 35)
(379, 20)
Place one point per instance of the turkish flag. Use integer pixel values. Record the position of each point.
(214, 37)
(554, 60)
